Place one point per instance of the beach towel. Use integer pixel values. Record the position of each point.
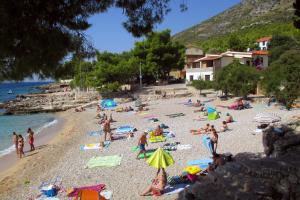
(108, 103)
(95, 133)
(155, 139)
(119, 136)
(47, 198)
(125, 129)
(175, 189)
(202, 163)
(169, 134)
(175, 115)
(94, 146)
(207, 143)
(184, 146)
(74, 192)
(104, 161)
(174, 180)
(106, 194)
(150, 116)
(148, 154)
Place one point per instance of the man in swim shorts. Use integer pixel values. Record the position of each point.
(142, 142)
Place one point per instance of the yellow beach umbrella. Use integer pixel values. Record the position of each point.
(160, 159)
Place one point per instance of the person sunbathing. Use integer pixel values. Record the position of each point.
(158, 184)
(206, 128)
(158, 131)
(196, 132)
(229, 118)
(224, 126)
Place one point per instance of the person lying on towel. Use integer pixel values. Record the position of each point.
(224, 126)
(158, 184)
(158, 131)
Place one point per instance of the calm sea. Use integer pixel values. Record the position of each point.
(20, 123)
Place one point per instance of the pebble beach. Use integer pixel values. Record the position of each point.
(63, 156)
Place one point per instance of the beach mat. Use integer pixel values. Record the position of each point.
(74, 192)
(125, 129)
(202, 163)
(155, 139)
(119, 136)
(175, 189)
(47, 198)
(175, 115)
(104, 161)
(95, 133)
(94, 146)
(184, 146)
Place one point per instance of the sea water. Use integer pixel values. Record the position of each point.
(20, 123)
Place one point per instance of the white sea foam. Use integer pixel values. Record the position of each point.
(12, 148)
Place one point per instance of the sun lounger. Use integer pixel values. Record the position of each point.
(104, 161)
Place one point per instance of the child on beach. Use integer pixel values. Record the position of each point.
(15, 142)
(229, 118)
(21, 146)
(224, 126)
(106, 129)
(142, 142)
(31, 139)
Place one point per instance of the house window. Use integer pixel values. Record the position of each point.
(191, 77)
(207, 77)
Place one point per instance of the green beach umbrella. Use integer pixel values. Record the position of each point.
(160, 159)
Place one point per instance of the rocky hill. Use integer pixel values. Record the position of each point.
(247, 14)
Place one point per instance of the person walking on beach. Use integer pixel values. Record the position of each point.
(21, 146)
(142, 142)
(15, 141)
(106, 129)
(31, 139)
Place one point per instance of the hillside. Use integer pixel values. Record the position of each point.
(260, 17)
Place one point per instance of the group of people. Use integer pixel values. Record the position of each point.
(18, 141)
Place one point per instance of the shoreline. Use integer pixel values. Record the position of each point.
(42, 138)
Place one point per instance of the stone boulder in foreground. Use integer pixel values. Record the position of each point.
(273, 176)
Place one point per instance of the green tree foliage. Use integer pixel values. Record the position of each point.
(282, 78)
(202, 84)
(235, 43)
(238, 79)
(159, 54)
(36, 35)
(297, 13)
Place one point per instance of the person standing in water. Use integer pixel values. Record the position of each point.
(15, 142)
(31, 139)
(21, 146)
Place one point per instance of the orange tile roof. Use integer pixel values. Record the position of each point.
(261, 52)
(264, 39)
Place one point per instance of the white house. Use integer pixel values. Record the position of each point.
(208, 65)
(264, 43)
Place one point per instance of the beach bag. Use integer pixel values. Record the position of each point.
(49, 191)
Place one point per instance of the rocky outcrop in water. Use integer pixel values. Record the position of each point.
(273, 176)
(56, 98)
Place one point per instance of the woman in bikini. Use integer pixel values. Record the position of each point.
(158, 184)
(31, 139)
(21, 146)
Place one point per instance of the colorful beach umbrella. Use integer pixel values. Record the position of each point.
(160, 159)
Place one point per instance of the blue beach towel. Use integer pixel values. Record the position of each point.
(124, 129)
(108, 103)
(95, 133)
(202, 163)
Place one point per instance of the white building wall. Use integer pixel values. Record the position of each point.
(195, 75)
(226, 61)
